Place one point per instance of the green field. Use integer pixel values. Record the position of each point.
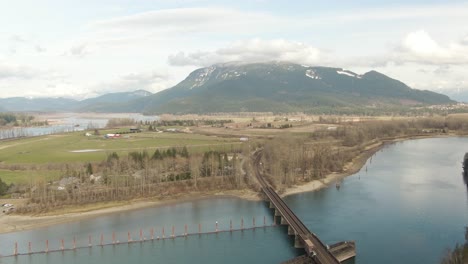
(59, 148)
(28, 176)
(56, 149)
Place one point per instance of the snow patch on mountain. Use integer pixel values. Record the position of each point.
(349, 73)
(229, 75)
(203, 76)
(312, 74)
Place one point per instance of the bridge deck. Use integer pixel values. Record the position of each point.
(313, 246)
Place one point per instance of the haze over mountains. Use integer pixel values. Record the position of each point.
(237, 87)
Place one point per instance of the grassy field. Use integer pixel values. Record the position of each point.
(60, 148)
(28, 176)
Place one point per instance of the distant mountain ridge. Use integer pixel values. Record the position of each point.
(99, 104)
(252, 87)
(283, 87)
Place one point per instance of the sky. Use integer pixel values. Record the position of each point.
(82, 49)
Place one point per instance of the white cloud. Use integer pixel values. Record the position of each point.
(39, 48)
(16, 72)
(464, 41)
(253, 50)
(151, 81)
(17, 38)
(420, 47)
(186, 19)
(79, 50)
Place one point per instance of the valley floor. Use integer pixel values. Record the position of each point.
(14, 223)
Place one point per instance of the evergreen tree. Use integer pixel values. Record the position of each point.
(184, 153)
(157, 155)
(89, 169)
(3, 187)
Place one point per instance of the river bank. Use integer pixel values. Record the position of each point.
(14, 223)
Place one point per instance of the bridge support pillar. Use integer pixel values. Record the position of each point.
(291, 231)
(272, 206)
(298, 242)
(283, 221)
(277, 212)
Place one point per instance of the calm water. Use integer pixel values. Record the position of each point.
(71, 123)
(409, 206)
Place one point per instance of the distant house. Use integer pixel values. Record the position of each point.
(112, 136)
(135, 130)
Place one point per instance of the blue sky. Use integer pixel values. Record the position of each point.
(85, 48)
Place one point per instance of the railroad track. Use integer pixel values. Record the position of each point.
(318, 251)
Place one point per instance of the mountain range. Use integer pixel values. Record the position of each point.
(254, 87)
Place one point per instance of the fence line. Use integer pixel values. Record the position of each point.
(141, 238)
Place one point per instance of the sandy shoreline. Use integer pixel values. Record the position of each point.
(15, 223)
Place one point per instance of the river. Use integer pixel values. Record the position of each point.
(71, 122)
(408, 204)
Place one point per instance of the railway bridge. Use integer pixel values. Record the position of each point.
(304, 238)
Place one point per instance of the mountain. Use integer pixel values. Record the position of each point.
(111, 102)
(282, 87)
(21, 104)
(103, 103)
(458, 95)
(256, 87)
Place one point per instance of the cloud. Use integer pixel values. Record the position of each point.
(253, 50)
(151, 81)
(464, 41)
(39, 48)
(420, 47)
(18, 38)
(192, 20)
(16, 72)
(79, 50)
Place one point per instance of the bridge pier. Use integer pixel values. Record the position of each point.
(291, 231)
(277, 212)
(298, 242)
(283, 221)
(271, 205)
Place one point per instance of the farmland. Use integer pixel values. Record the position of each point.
(40, 157)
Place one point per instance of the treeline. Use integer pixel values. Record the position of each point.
(403, 111)
(11, 119)
(294, 158)
(13, 132)
(118, 122)
(191, 122)
(139, 174)
(289, 160)
(353, 134)
(459, 255)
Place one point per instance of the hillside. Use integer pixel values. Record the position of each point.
(21, 104)
(111, 102)
(258, 87)
(284, 87)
